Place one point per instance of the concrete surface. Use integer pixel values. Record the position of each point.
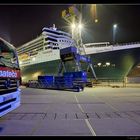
(99, 111)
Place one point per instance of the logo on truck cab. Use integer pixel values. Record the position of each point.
(9, 73)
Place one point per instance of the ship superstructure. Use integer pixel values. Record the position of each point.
(45, 47)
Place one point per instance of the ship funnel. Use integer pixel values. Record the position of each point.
(54, 27)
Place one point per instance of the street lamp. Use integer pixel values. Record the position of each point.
(76, 29)
(80, 27)
(73, 26)
(114, 32)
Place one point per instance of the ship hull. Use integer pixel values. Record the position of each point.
(113, 65)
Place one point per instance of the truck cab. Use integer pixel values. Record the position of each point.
(9, 78)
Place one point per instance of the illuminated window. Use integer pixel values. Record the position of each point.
(99, 64)
(20, 62)
(23, 77)
(33, 59)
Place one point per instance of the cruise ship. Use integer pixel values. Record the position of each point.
(41, 56)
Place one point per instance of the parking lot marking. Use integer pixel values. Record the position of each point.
(86, 120)
(90, 127)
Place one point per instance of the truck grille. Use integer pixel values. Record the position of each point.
(8, 85)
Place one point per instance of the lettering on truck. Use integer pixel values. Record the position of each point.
(9, 79)
(9, 73)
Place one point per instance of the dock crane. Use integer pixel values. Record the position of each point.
(73, 16)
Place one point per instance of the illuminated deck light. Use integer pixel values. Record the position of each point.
(108, 63)
(115, 26)
(96, 20)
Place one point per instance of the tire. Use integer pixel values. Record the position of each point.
(77, 89)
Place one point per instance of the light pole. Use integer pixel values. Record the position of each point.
(80, 28)
(73, 26)
(114, 32)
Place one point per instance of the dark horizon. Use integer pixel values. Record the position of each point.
(22, 23)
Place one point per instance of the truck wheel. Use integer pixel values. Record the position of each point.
(78, 89)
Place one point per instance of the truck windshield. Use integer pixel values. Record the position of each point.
(8, 56)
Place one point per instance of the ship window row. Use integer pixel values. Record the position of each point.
(90, 46)
(51, 39)
(51, 43)
(33, 52)
(55, 48)
(51, 31)
(50, 47)
(35, 48)
(56, 32)
(56, 36)
(39, 49)
(37, 41)
(30, 45)
(65, 41)
(28, 49)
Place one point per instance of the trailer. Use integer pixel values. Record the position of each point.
(75, 81)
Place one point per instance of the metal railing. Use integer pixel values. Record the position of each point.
(125, 44)
(90, 45)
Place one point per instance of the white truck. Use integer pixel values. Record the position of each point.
(9, 78)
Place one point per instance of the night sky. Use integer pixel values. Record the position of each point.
(22, 23)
